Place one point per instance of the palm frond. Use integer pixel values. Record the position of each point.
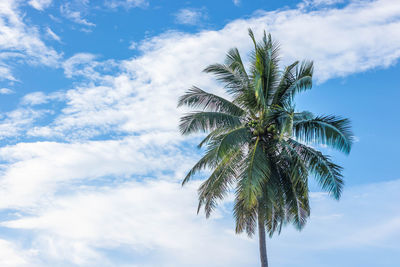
(232, 139)
(217, 185)
(246, 218)
(296, 192)
(326, 172)
(231, 79)
(219, 146)
(234, 61)
(207, 121)
(215, 134)
(254, 173)
(294, 80)
(328, 130)
(209, 160)
(197, 98)
(287, 79)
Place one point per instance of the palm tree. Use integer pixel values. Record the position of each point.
(258, 145)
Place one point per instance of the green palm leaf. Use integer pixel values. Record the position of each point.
(197, 98)
(326, 172)
(217, 185)
(253, 175)
(205, 121)
(328, 130)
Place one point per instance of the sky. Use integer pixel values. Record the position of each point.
(91, 158)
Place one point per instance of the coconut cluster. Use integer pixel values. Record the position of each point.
(257, 129)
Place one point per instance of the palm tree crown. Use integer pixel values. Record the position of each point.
(258, 144)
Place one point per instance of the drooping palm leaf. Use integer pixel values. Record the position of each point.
(253, 175)
(327, 130)
(217, 185)
(327, 173)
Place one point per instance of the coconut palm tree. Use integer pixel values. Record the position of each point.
(258, 146)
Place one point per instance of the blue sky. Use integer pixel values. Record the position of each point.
(91, 157)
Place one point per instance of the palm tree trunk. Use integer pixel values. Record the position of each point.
(263, 246)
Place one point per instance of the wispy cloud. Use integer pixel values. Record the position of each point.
(6, 91)
(133, 45)
(190, 16)
(236, 2)
(319, 3)
(73, 11)
(52, 35)
(37, 98)
(126, 3)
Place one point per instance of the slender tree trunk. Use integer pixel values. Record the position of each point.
(263, 246)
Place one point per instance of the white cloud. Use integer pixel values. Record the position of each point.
(35, 171)
(11, 255)
(16, 122)
(155, 217)
(133, 45)
(190, 16)
(5, 73)
(37, 98)
(236, 2)
(74, 12)
(318, 3)
(86, 65)
(70, 65)
(136, 95)
(6, 91)
(40, 4)
(143, 95)
(126, 3)
(155, 223)
(51, 34)
(20, 42)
